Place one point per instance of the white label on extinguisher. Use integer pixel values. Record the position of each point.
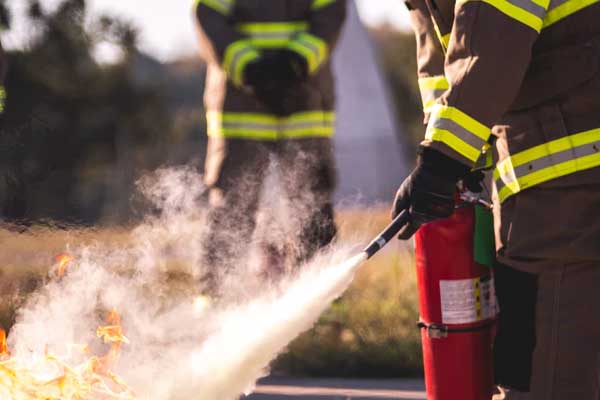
(466, 301)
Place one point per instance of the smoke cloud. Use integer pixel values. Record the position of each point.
(183, 345)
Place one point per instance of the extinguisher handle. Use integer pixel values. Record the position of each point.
(388, 233)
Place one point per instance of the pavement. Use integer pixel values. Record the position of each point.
(338, 389)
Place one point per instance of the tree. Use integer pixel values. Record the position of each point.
(76, 132)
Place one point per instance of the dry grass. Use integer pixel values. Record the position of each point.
(369, 331)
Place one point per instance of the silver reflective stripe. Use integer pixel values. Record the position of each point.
(276, 125)
(225, 4)
(309, 45)
(273, 35)
(432, 94)
(556, 3)
(548, 161)
(305, 125)
(239, 54)
(252, 126)
(530, 6)
(460, 132)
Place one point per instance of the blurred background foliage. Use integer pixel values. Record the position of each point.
(76, 133)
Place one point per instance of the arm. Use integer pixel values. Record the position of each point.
(430, 56)
(325, 24)
(231, 49)
(488, 55)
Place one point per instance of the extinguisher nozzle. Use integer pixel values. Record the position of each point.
(388, 234)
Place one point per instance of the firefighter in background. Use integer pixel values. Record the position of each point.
(527, 74)
(269, 94)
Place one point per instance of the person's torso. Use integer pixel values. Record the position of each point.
(549, 139)
(566, 53)
(270, 25)
(245, 11)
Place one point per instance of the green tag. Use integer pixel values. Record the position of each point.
(485, 245)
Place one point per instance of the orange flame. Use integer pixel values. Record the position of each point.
(3, 348)
(52, 378)
(63, 260)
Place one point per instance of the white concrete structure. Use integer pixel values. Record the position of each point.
(370, 160)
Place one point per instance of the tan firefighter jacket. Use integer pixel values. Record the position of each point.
(235, 32)
(494, 61)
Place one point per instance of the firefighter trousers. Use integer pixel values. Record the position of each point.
(235, 174)
(566, 357)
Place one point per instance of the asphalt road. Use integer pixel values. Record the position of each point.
(338, 389)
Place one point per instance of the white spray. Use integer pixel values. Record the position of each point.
(181, 348)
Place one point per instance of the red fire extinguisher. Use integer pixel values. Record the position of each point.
(456, 298)
(458, 309)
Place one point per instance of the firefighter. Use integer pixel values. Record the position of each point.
(525, 74)
(269, 95)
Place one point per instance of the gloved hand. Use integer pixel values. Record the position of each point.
(282, 67)
(428, 192)
(289, 66)
(276, 80)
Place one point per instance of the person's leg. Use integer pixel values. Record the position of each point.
(308, 174)
(565, 360)
(234, 172)
(516, 292)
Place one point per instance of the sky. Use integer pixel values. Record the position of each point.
(167, 27)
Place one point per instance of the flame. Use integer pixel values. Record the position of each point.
(63, 261)
(52, 378)
(3, 348)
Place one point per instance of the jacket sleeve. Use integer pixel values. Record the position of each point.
(232, 50)
(326, 19)
(488, 55)
(430, 56)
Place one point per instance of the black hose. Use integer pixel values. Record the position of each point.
(388, 234)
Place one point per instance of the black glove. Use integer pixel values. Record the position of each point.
(428, 192)
(289, 66)
(281, 67)
(276, 80)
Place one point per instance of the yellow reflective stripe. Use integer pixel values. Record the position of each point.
(434, 82)
(312, 48)
(547, 161)
(258, 28)
(237, 55)
(272, 34)
(459, 131)
(527, 12)
(319, 131)
(428, 106)
(269, 127)
(431, 89)
(562, 11)
(2, 98)
(317, 4)
(444, 39)
(470, 124)
(221, 6)
(455, 143)
(542, 3)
